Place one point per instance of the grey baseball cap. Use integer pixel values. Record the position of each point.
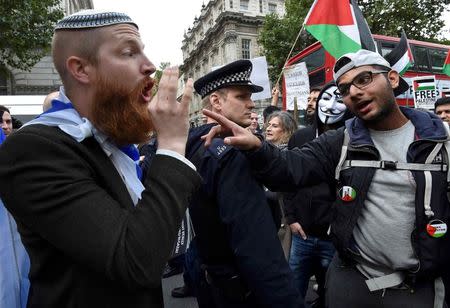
(93, 19)
(364, 57)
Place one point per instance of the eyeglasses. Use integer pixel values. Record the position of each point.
(361, 81)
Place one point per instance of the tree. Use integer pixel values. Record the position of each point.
(279, 33)
(421, 20)
(26, 29)
(157, 76)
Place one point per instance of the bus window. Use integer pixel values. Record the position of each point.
(386, 47)
(437, 57)
(317, 79)
(420, 58)
(314, 60)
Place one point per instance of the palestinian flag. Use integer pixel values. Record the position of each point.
(340, 26)
(424, 84)
(401, 58)
(445, 92)
(446, 68)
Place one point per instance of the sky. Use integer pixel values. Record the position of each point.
(162, 24)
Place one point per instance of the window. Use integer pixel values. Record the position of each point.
(317, 79)
(272, 8)
(386, 47)
(314, 60)
(244, 5)
(260, 6)
(231, 4)
(420, 58)
(3, 84)
(245, 49)
(437, 57)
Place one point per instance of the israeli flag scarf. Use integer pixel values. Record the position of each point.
(125, 159)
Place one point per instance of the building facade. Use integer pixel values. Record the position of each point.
(43, 77)
(226, 30)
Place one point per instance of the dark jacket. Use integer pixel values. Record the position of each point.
(89, 245)
(233, 225)
(317, 161)
(311, 205)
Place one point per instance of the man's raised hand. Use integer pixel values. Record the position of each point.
(170, 118)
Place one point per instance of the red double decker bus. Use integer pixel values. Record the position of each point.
(428, 57)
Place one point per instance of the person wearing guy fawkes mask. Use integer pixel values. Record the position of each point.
(308, 210)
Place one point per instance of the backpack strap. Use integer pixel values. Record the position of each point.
(447, 147)
(393, 165)
(343, 155)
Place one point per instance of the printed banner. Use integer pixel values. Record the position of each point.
(184, 237)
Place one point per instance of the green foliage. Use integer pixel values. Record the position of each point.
(421, 20)
(279, 33)
(26, 29)
(157, 76)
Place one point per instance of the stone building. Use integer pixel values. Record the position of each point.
(43, 77)
(224, 31)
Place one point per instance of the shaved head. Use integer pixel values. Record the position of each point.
(80, 43)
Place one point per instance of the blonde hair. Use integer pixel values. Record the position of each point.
(287, 124)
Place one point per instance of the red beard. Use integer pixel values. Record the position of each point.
(121, 113)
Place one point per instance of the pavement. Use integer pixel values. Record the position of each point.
(190, 302)
(171, 302)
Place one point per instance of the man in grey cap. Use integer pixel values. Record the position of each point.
(242, 260)
(389, 168)
(97, 230)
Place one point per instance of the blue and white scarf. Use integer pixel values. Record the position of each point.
(63, 115)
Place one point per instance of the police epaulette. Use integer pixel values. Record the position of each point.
(218, 148)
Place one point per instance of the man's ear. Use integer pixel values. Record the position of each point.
(79, 68)
(394, 78)
(214, 99)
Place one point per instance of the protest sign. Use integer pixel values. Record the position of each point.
(296, 82)
(425, 92)
(260, 77)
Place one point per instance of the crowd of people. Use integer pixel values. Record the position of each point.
(88, 219)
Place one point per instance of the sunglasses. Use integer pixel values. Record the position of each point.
(361, 81)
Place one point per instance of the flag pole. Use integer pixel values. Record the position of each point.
(290, 52)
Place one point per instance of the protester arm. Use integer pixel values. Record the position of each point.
(291, 169)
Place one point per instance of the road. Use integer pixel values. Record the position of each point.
(190, 302)
(170, 302)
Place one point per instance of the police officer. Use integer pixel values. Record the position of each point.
(242, 260)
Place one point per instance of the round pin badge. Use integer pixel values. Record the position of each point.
(436, 228)
(347, 193)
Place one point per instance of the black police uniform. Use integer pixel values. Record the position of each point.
(243, 262)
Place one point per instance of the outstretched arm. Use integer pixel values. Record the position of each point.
(238, 136)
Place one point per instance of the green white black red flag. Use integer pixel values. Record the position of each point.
(401, 58)
(340, 26)
(446, 68)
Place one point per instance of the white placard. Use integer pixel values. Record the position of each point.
(296, 82)
(425, 92)
(260, 77)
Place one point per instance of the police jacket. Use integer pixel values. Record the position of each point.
(317, 161)
(234, 228)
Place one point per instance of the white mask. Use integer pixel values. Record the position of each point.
(330, 107)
